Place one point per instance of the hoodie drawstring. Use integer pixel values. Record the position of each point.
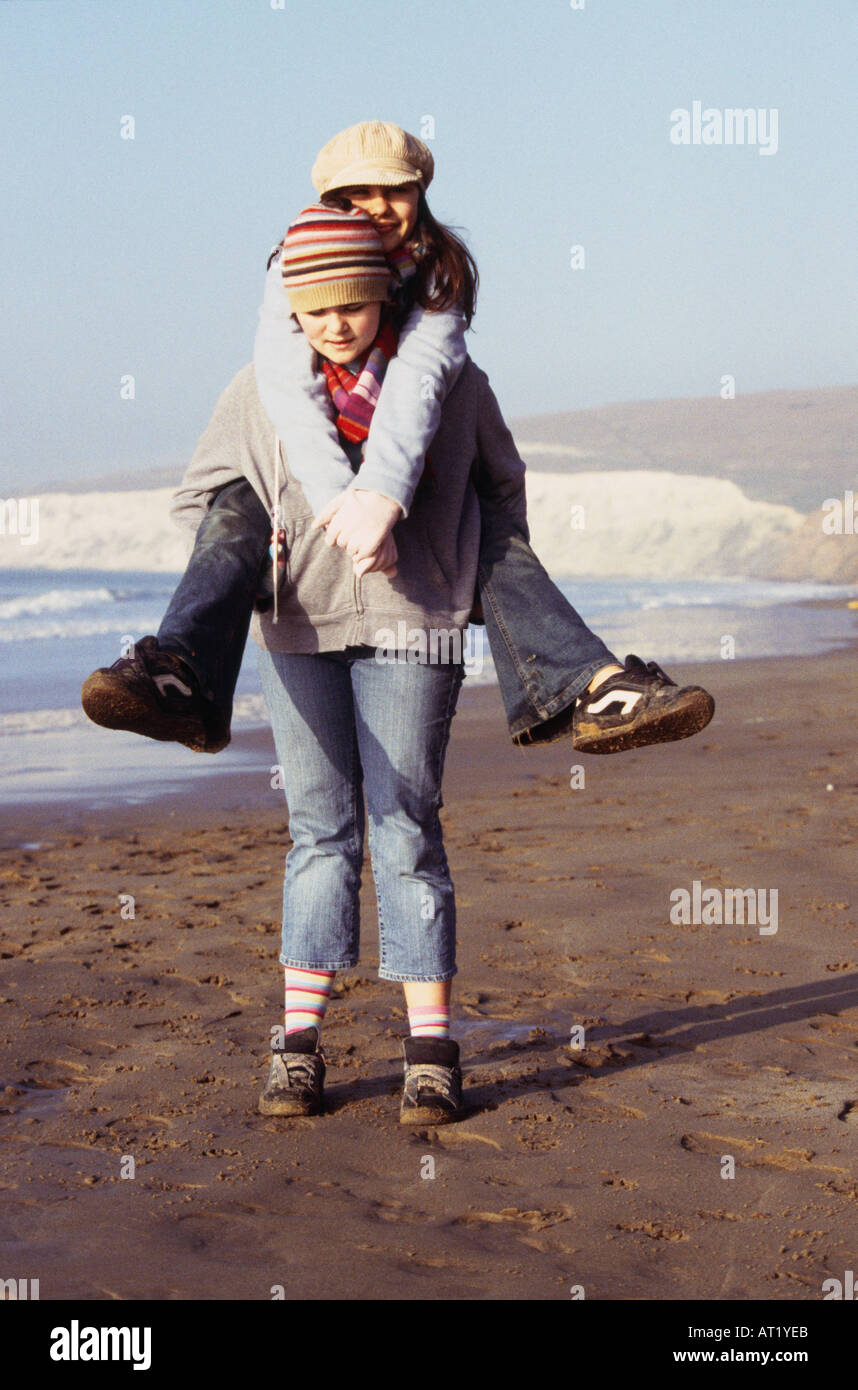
(277, 549)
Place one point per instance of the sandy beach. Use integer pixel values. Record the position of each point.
(615, 1060)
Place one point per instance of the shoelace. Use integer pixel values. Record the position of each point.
(655, 670)
(440, 1078)
(301, 1071)
(651, 668)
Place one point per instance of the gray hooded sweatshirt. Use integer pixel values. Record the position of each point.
(322, 605)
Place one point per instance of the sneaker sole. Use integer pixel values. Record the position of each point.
(423, 1115)
(291, 1109)
(112, 703)
(681, 721)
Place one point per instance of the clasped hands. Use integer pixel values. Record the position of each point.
(361, 523)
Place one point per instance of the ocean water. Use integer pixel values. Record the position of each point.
(58, 625)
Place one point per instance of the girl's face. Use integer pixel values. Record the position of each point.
(393, 210)
(343, 333)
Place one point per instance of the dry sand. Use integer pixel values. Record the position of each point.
(600, 1167)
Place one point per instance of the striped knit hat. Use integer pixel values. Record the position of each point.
(331, 257)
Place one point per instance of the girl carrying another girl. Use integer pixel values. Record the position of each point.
(345, 716)
(556, 677)
(349, 719)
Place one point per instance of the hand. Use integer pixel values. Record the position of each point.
(384, 560)
(358, 521)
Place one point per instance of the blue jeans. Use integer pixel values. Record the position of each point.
(344, 722)
(544, 653)
(208, 617)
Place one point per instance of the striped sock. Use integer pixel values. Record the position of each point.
(307, 994)
(429, 1021)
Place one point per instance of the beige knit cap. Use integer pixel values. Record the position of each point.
(330, 258)
(373, 152)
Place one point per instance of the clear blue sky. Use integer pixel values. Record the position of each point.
(552, 124)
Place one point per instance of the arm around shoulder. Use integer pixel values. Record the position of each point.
(296, 399)
(429, 357)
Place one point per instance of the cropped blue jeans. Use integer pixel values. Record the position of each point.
(345, 723)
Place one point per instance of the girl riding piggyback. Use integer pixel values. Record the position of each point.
(383, 171)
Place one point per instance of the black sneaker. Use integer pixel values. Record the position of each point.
(433, 1082)
(637, 706)
(295, 1084)
(154, 693)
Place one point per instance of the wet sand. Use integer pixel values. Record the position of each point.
(604, 1165)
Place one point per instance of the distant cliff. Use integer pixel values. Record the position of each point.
(642, 524)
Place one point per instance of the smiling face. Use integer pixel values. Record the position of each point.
(393, 209)
(342, 333)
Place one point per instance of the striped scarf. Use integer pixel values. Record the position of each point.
(402, 263)
(356, 394)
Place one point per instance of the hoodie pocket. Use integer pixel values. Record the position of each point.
(433, 568)
(319, 576)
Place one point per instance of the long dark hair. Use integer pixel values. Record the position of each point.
(446, 271)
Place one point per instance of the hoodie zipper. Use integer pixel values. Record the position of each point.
(356, 591)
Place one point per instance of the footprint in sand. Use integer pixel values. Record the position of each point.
(653, 1229)
(756, 1153)
(615, 1182)
(537, 1220)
